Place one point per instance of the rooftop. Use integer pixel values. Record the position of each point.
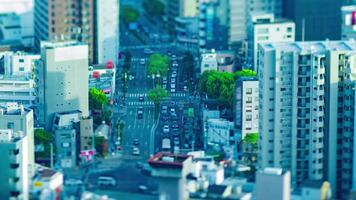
(167, 160)
(13, 109)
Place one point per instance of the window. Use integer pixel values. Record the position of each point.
(10, 125)
(21, 69)
(249, 91)
(21, 60)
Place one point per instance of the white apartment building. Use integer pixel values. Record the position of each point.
(246, 106)
(107, 31)
(301, 92)
(18, 90)
(348, 26)
(265, 28)
(62, 80)
(19, 63)
(14, 174)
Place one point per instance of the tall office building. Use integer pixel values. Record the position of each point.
(299, 84)
(106, 40)
(62, 77)
(19, 119)
(14, 174)
(240, 13)
(348, 26)
(316, 19)
(265, 28)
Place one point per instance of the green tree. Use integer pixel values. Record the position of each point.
(251, 138)
(129, 14)
(245, 73)
(153, 7)
(97, 99)
(203, 80)
(101, 145)
(158, 64)
(43, 138)
(156, 95)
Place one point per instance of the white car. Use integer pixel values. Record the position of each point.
(72, 181)
(173, 90)
(135, 151)
(173, 86)
(106, 181)
(165, 129)
(164, 80)
(142, 61)
(173, 80)
(174, 57)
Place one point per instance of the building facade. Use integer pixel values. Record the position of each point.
(19, 119)
(59, 88)
(348, 26)
(102, 77)
(14, 166)
(265, 28)
(273, 183)
(246, 106)
(301, 89)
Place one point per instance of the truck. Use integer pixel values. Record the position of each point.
(166, 145)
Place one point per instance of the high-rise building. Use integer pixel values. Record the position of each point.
(14, 174)
(239, 16)
(62, 80)
(180, 8)
(246, 106)
(17, 118)
(315, 20)
(300, 84)
(82, 20)
(263, 27)
(106, 40)
(348, 26)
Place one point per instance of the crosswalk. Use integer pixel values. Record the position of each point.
(136, 95)
(140, 103)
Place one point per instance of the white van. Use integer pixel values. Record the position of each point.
(106, 181)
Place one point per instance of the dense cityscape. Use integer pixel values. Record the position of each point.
(178, 99)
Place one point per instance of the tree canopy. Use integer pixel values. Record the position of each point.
(157, 94)
(129, 14)
(158, 64)
(43, 138)
(153, 7)
(97, 99)
(251, 138)
(220, 85)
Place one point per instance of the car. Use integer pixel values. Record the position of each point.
(173, 90)
(175, 133)
(176, 141)
(141, 97)
(72, 182)
(174, 57)
(136, 142)
(164, 109)
(140, 113)
(165, 129)
(106, 181)
(142, 188)
(164, 80)
(173, 85)
(147, 51)
(173, 111)
(173, 80)
(185, 88)
(164, 85)
(142, 61)
(174, 75)
(169, 53)
(135, 151)
(174, 64)
(175, 126)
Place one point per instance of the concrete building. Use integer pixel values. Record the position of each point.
(239, 16)
(213, 25)
(14, 165)
(315, 190)
(59, 88)
(19, 63)
(314, 20)
(273, 183)
(223, 61)
(302, 93)
(187, 31)
(348, 26)
(107, 31)
(86, 133)
(246, 106)
(171, 171)
(18, 118)
(17, 89)
(180, 8)
(220, 132)
(265, 28)
(10, 28)
(47, 184)
(102, 77)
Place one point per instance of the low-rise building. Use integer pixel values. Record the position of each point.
(47, 184)
(273, 183)
(102, 77)
(348, 27)
(223, 61)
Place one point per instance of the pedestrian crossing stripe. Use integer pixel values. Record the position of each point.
(136, 95)
(140, 103)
